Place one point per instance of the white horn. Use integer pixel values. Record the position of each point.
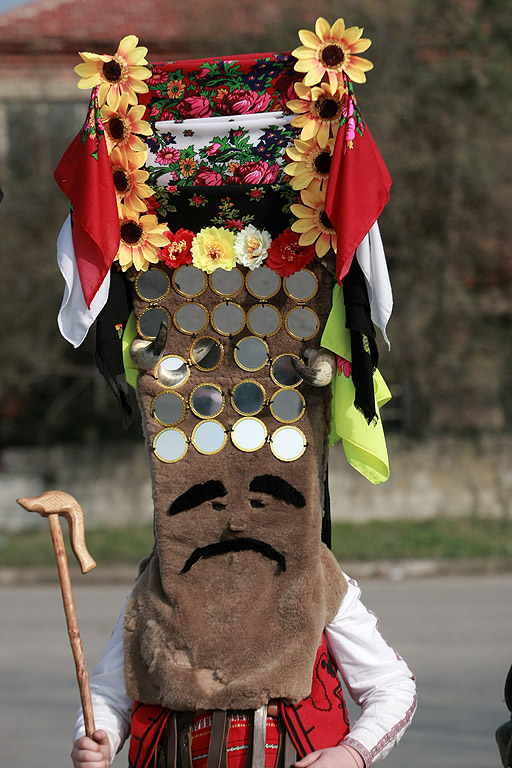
(319, 368)
(147, 354)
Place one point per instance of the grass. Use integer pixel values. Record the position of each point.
(438, 538)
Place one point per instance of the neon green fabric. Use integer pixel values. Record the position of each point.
(364, 445)
(130, 369)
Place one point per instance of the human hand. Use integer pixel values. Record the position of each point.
(341, 756)
(91, 753)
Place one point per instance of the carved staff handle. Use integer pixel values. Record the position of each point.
(53, 504)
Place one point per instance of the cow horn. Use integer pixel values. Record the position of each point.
(147, 354)
(319, 367)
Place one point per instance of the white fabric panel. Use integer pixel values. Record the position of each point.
(372, 260)
(75, 319)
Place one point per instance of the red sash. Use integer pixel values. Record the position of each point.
(316, 722)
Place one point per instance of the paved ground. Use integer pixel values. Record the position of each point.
(454, 632)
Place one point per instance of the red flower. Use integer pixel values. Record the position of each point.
(152, 204)
(172, 188)
(255, 193)
(234, 224)
(208, 177)
(240, 102)
(179, 249)
(256, 173)
(285, 84)
(194, 105)
(286, 256)
(344, 366)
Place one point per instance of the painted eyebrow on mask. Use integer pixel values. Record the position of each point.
(278, 488)
(196, 495)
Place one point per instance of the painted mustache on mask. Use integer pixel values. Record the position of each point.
(235, 545)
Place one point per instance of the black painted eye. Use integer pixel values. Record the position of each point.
(218, 506)
(257, 504)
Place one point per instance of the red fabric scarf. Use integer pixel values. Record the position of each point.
(85, 177)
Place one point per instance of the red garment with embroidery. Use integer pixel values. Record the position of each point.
(317, 722)
(85, 177)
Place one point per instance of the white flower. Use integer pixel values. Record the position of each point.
(251, 246)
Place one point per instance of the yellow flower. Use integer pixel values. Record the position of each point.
(187, 166)
(313, 222)
(121, 73)
(213, 249)
(319, 110)
(331, 51)
(141, 239)
(122, 124)
(310, 161)
(175, 89)
(129, 179)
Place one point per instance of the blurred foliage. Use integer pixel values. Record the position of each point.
(438, 104)
(438, 538)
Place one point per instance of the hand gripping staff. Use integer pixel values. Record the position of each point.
(52, 504)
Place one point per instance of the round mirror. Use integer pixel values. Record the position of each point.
(209, 437)
(248, 397)
(301, 286)
(191, 318)
(251, 353)
(264, 320)
(302, 323)
(228, 318)
(168, 408)
(172, 371)
(248, 434)
(283, 372)
(189, 281)
(287, 405)
(170, 445)
(152, 285)
(263, 282)
(288, 443)
(206, 353)
(149, 321)
(206, 400)
(226, 282)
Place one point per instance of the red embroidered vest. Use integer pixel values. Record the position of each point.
(314, 723)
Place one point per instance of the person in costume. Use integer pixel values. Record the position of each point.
(237, 292)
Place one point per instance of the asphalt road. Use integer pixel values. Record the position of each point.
(453, 632)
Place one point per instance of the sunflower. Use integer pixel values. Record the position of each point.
(187, 166)
(213, 249)
(118, 74)
(310, 161)
(175, 89)
(122, 124)
(319, 110)
(129, 180)
(312, 220)
(331, 51)
(141, 239)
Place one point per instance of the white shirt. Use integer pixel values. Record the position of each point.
(376, 677)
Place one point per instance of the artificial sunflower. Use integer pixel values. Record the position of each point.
(213, 249)
(319, 110)
(129, 180)
(116, 75)
(332, 51)
(310, 161)
(312, 220)
(141, 239)
(122, 125)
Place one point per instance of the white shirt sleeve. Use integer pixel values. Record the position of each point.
(111, 705)
(376, 677)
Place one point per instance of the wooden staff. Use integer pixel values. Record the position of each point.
(52, 504)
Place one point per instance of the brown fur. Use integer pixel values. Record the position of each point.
(235, 630)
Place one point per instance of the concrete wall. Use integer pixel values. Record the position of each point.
(444, 476)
